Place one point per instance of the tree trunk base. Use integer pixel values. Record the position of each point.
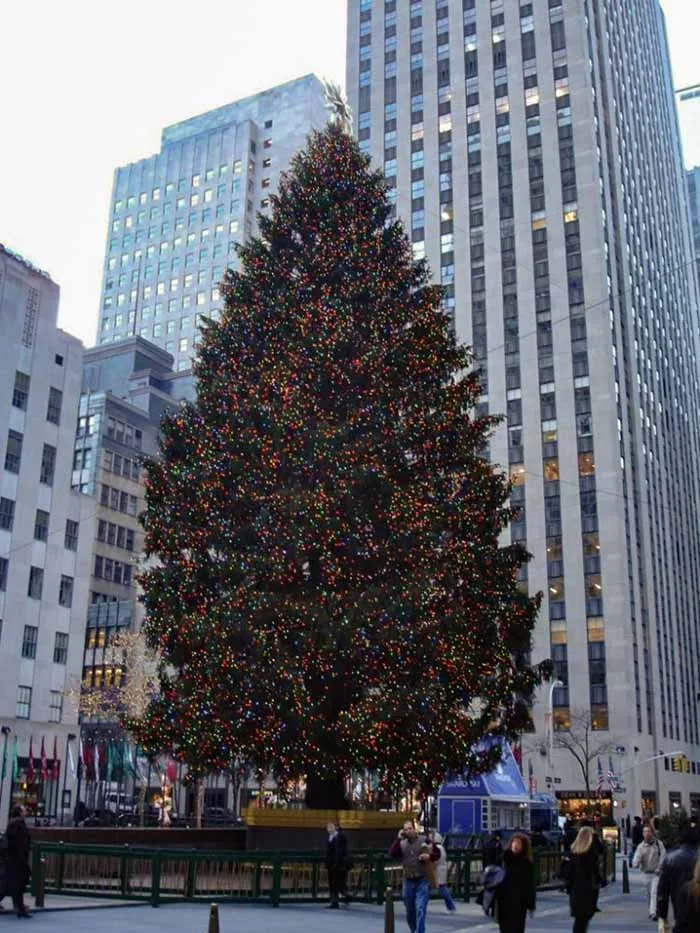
(326, 793)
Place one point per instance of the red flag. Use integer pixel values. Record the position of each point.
(54, 769)
(171, 771)
(44, 762)
(30, 769)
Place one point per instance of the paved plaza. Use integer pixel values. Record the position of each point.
(620, 914)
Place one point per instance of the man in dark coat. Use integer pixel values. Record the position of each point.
(637, 836)
(338, 865)
(676, 875)
(17, 860)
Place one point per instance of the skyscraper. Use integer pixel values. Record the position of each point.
(45, 534)
(532, 151)
(693, 177)
(176, 216)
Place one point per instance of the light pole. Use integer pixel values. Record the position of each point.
(69, 738)
(554, 685)
(5, 732)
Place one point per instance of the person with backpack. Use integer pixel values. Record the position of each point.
(649, 858)
(441, 872)
(515, 896)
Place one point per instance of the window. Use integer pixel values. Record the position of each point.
(7, 514)
(71, 536)
(60, 648)
(36, 583)
(13, 454)
(29, 640)
(24, 702)
(41, 525)
(4, 565)
(267, 143)
(20, 393)
(65, 592)
(56, 706)
(48, 465)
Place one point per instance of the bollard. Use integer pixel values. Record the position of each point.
(40, 884)
(213, 919)
(625, 877)
(389, 911)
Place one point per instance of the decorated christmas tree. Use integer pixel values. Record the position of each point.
(329, 586)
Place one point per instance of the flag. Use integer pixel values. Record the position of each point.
(4, 760)
(532, 782)
(110, 762)
(171, 771)
(612, 779)
(15, 760)
(71, 759)
(55, 768)
(601, 779)
(44, 762)
(30, 769)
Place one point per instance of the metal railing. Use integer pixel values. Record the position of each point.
(165, 875)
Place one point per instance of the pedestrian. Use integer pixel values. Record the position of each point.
(688, 917)
(493, 851)
(414, 853)
(677, 873)
(649, 858)
(569, 830)
(17, 859)
(583, 879)
(515, 896)
(337, 864)
(637, 836)
(441, 872)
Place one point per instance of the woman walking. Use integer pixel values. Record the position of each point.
(516, 895)
(441, 873)
(17, 856)
(583, 881)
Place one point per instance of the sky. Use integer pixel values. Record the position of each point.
(88, 86)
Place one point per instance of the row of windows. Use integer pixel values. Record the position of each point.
(24, 704)
(20, 397)
(118, 500)
(30, 640)
(114, 571)
(124, 433)
(115, 463)
(115, 535)
(13, 457)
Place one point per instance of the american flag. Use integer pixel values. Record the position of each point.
(601, 779)
(612, 779)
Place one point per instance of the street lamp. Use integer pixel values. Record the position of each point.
(69, 738)
(5, 732)
(553, 687)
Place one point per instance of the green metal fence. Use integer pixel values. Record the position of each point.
(164, 875)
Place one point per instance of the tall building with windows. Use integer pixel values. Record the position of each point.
(693, 177)
(176, 216)
(532, 151)
(45, 532)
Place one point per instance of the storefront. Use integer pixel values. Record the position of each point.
(577, 806)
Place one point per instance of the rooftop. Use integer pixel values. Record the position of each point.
(25, 262)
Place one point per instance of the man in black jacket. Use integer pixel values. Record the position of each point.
(18, 871)
(337, 864)
(676, 874)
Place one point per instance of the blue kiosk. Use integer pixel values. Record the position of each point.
(495, 801)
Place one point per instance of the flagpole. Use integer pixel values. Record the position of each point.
(5, 732)
(69, 738)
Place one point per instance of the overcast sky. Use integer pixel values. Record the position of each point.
(88, 86)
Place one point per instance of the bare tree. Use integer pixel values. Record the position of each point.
(583, 743)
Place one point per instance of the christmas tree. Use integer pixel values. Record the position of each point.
(328, 586)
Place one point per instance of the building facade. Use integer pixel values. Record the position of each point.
(532, 151)
(176, 217)
(45, 533)
(693, 177)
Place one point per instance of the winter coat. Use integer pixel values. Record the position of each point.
(337, 852)
(637, 834)
(17, 857)
(583, 884)
(441, 865)
(493, 852)
(516, 895)
(676, 874)
(688, 920)
(649, 857)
